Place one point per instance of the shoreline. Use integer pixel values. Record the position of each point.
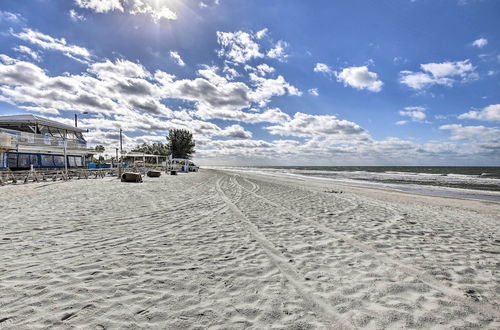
(407, 187)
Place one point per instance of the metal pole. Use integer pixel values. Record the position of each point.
(121, 143)
(65, 157)
(121, 155)
(76, 120)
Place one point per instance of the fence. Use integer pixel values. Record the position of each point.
(16, 177)
(19, 177)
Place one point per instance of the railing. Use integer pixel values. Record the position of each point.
(43, 175)
(11, 139)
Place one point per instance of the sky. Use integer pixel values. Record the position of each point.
(259, 82)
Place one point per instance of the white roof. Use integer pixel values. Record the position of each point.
(33, 119)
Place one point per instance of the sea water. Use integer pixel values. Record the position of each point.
(459, 182)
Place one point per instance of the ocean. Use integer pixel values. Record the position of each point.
(448, 181)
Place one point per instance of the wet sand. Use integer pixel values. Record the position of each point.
(223, 250)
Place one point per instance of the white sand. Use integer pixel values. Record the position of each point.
(229, 251)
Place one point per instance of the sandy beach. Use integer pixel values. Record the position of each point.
(226, 250)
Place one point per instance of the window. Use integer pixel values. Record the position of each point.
(23, 161)
(34, 160)
(59, 161)
(71, 161)
(12, 160)
(47, 161)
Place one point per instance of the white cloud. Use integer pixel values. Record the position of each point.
(157, 10)
(446, 69)
(231, 73)
(50, 43)
(28, 51)
(236, 131)
(399, 60)
(177, 58)
(10, 17)
(480, 43)
(238, 46)
(75, 17)
(481, 133)
(118, 68)
(360, 78)
(268, 116)
(323, 68)
(15, 73)
(267, 88)
(264, 69)
(313, 92)
(100, 6)
(306, 125)
(489, 113)
(261, 33)
(416, 114)
(278, 51)
(445, 73)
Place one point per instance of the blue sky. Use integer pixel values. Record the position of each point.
(265, 82)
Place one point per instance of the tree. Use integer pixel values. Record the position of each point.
(180, 143)
(99, 148)
(156, 148)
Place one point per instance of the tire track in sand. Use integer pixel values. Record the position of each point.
(315, 303)
(427, 279)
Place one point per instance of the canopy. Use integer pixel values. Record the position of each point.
(37, 120)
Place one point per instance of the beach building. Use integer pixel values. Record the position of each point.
(28, 141)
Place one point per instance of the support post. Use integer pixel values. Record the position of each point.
(65, 156)
(121, 155)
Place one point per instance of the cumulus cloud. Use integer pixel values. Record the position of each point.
(261, 33)
(236, 131)
(10, 17)
(445, 73)
(446, 69)
(482, 133)
(274, 115)
(118, 68)
(75, 17)
(480, 43)
(360, 78)
(157, 10)
(239, 47)
(278, 51)
(489, 113)
(177, 58)
(267, 88)
(323, 68)
(264, 69)
(100, 6)
(306, 125)
(415, 114)
(18, 73)
(50, 43)
(127, 92)
(28, 51)
(313, 92)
